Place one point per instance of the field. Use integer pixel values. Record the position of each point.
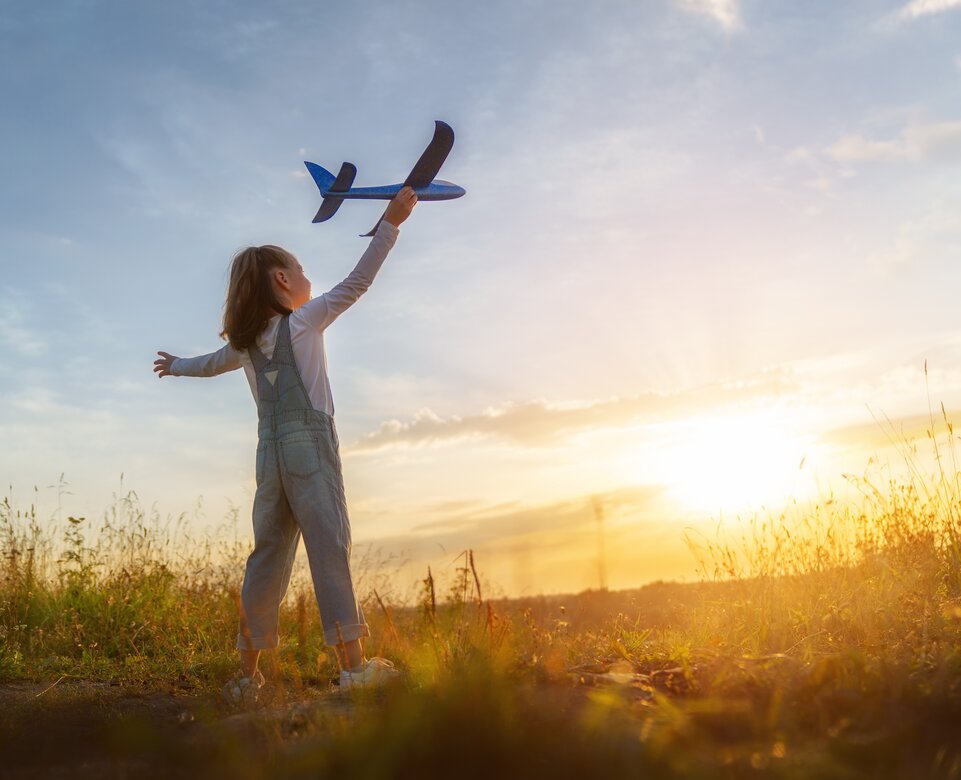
(824, 642)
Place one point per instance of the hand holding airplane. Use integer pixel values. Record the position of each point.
(400, 207)
(421, 179)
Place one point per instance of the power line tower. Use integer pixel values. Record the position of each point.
(601, 547)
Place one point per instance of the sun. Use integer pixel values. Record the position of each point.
(733, 463)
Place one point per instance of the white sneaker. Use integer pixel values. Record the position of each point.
(377, 671)
(244, 691)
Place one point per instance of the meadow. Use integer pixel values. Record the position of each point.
(824, 641)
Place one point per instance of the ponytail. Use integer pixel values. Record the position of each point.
(251, 301)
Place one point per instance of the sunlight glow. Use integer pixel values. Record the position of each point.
(733, 463)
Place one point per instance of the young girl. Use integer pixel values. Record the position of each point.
(275, 331)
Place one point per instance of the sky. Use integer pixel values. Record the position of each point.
(706, 263)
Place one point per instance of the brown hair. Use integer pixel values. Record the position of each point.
(250, 294)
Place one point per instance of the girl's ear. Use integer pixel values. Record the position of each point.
(280, 277)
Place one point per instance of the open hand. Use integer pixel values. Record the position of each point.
(400, 206)
(163, 364)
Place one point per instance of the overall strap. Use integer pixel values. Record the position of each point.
(257, 358)
(283, 351)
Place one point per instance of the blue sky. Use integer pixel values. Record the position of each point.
(678, 211)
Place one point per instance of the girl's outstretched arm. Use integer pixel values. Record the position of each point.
(224, 359)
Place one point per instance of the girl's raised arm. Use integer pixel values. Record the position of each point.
(324, 309)
(224, 359)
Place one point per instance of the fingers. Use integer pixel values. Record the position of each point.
(400, 206)
(407, 199)
(162, 365)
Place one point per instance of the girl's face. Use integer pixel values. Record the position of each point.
(293, 281)
(300, 286)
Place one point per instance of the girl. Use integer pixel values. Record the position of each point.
(275, 331)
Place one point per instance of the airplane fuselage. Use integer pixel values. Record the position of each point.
(436, 190)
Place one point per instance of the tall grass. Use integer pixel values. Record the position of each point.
(132, 593)
(138, 597)
(847, 574)
(135, 595)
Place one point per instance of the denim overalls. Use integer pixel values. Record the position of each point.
(300, 490)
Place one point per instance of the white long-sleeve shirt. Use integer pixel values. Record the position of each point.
(307, 325)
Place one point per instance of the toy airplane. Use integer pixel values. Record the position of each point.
(336, 190)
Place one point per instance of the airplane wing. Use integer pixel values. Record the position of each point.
(430, 162)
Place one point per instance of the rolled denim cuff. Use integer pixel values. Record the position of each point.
(350, 632)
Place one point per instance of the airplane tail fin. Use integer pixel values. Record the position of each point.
(329, 186)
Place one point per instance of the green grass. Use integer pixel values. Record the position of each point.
(822, 642)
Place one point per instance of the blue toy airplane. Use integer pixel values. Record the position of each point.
(336, 190)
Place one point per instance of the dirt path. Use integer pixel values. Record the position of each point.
(78, 729)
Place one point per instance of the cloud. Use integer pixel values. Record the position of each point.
(801, 156)
(538, 423)
(498, 519)
(918, 8)
(824, 174)
(918, 141)
(882, 433)
(552, 546)
(16, 331)
(725, 12)
(934, 233)
(933, 141)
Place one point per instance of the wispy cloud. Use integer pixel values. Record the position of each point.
(824, 175)
(16, 331)
(538, 423)
(917, 141)
(936, 140)
(725, 12)
(553, 545)
(932, 234)
(500, 525)
(882, 433)
(917, 8)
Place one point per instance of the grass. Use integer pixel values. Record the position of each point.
(824, 642)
